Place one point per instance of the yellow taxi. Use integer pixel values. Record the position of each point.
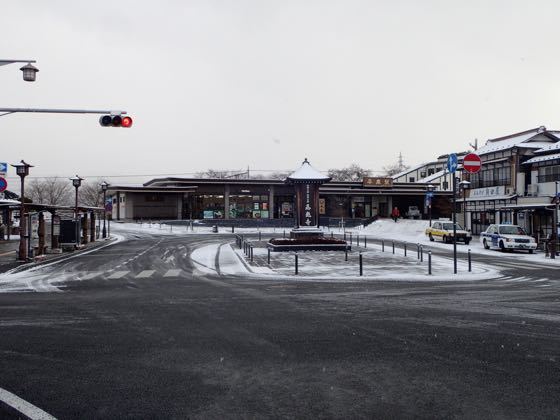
(444, 230)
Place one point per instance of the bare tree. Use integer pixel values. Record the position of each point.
(90, 194)
(353, 172)
(52, 191)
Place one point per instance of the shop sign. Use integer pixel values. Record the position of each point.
(56, 225)
(488, 192)
(378, 182)
(208, 214)
(286, 208)
(322, 206)
(34, 226)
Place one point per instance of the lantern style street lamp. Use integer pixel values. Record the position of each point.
(431, 189)
(464, 185)
(29, 70)
(76, 182)
(104, 185)
(22, 169)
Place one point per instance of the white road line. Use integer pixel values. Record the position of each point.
(23, 407)
(145, 274)
(172, 273)
(118, 274)
(89, 276)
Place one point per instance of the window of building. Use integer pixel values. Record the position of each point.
(549, 173)
(422, 174)
(411, 179)
(431, 171)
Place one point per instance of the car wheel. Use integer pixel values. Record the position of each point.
(467, 241)
(444, 239)
(431, 237)
(502, 247)
(530, 251)
(485, 244)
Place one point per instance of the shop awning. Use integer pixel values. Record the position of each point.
(491, 198)
(528, 206)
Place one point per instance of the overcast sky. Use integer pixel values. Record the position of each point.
(263, 84)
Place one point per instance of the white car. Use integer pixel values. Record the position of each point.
(507, 237)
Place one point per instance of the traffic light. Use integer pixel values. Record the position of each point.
(115, 121)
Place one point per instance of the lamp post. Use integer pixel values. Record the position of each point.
(22, 169)
(104, 185)
(555, 222)
(430, 194)
(76, 182)
(464, 186)
(29, 70)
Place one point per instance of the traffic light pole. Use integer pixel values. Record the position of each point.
(7, 111)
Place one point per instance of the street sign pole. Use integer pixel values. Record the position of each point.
(452, 163)
(454, 224)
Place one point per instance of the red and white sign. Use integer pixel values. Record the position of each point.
(472, 163)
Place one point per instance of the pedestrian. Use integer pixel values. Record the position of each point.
(395, 214)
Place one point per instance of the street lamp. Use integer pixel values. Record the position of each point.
(555, 222)
(104, 185)
(76, 182)
(29, 70)
(22, 169)
(430, 194)
(464, 185)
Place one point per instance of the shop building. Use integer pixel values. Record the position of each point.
(516, 182)
(228, 199)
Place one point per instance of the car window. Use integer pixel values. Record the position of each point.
(491, 229)
(435, 225)
(449, 226)
(512, 230)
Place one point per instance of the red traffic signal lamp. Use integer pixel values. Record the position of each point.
(115, 121)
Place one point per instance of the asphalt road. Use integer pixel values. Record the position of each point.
(144, 335)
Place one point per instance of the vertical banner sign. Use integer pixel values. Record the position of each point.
(56, 225)
(307, 206)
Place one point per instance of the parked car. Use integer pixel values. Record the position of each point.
(444, 231)
(507, 237)
(413, 212)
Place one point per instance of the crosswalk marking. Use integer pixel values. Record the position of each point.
(172, 273)
(118, 274)
(145, 274)
(89, 276)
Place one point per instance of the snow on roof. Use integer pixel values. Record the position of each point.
(522, 139)
(307, 172)
(550, 147)
(7, 201)
(542, 158)
(409, 170)
(432, 177)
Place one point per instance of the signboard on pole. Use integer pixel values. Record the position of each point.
(3, 168)
(452, 163)
(472, 163)
(3, 184)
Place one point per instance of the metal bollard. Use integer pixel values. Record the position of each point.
(284, 234)
(393, 247)
(233, 229)
(297, 264)
(470, 264)
(417, 251)
(268, 258)
(382, 245)
(405, 249)
(251, 249)
(344, 235)
(357, 239)
(171, 228)
(365, 241)
(346, 254)
(350, 237)
(421, 253)
(430, 263)
(259, 235)
(361, 265)
(332, 234)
